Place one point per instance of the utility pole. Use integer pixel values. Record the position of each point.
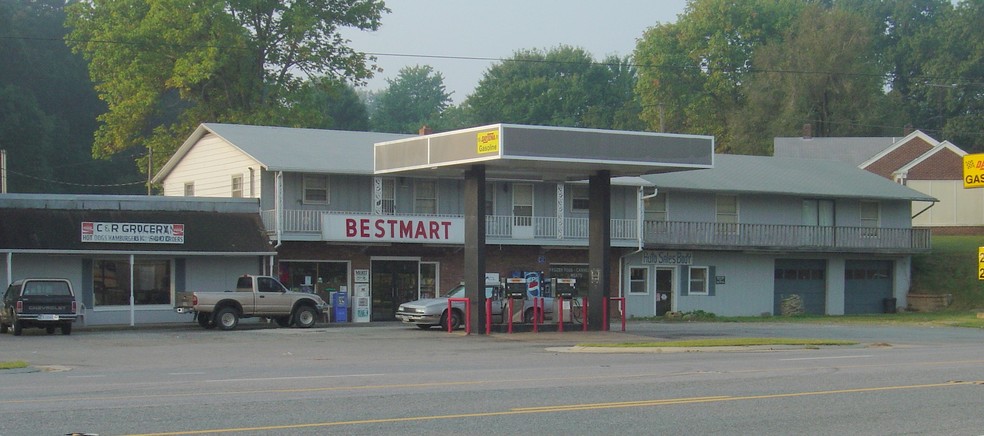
(3, 171)
(150, 167)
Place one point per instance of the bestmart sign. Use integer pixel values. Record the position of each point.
(393, 228)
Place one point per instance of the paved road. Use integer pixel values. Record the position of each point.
(386, 378)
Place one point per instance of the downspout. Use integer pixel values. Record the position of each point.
(10, 263)
(931, 204)
(278, 207)
(640, 214)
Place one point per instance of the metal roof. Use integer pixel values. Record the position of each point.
(786, 176)
(519, 152)
(292, 149)
(849, 150)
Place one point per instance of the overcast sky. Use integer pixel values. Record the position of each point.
(497, 29)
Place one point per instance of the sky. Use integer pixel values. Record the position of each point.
(427, 32)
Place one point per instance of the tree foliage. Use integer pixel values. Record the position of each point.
(416, 97)
(563, 86)
(164, 66)
(48, 108)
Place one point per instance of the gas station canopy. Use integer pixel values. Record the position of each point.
(519, 152)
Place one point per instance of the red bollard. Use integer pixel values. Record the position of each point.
(488, 316)
(560, 316)
(467, 313)
(510, 314)
(584, 314)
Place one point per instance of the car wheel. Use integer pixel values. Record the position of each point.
(205, 320)
(49, 330)
(18, 327)
(283, 321)
(227, 318)
(424, 326)
(305, 317)
(455, 320)
(66, 329)
(528, 316)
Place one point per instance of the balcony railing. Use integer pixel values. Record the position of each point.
(785, 237)
(669, 234)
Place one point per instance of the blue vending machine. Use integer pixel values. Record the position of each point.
(339, 306)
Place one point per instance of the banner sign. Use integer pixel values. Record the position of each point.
(667, 258)
(133, 233)
(393, 228)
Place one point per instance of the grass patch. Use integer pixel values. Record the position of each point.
(951, 268)
(725, 342)
(15, 364)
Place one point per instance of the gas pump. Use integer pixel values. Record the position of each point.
(515, 291)
(566, 290)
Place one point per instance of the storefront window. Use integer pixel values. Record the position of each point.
(151, 282)
(321, 278)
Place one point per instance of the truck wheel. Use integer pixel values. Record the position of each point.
(18, 327)
(66, 329)
(205, 320)
(227, 318)
(283, 321)
(305, 317)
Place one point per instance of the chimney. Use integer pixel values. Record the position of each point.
(424, 130)
(808, 131)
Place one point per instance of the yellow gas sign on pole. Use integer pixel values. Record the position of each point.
(973, 171)
(980, 263)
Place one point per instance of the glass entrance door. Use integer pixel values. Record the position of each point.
(393, 282)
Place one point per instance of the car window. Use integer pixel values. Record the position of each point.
(266, 284)
(457, 292)
(48, 289)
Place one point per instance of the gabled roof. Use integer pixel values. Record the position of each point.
(933, 164)
(786, 176)
(291, 149)
(915, 135)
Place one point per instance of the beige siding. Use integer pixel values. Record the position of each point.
(210, 165)
(957, 206)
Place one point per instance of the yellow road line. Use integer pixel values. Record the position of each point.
(567, 408)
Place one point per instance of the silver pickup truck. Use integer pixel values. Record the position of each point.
(255, 296)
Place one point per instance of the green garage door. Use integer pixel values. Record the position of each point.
(867, 283)
(803, 277)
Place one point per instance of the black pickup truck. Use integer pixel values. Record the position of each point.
(41, 303)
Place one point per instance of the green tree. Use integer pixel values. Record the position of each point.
(416, 97)
(164, 66)
(691, 71)
(818, 73)
(329, 104)
(563, 86)
(49, 108)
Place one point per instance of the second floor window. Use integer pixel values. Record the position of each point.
(316, 190)
(869, 218)
(579, 198)
(523, 204)
(490, 198)
(655, 208)
(425, 197)
(818, 213)
(727, 213)
(237, 186)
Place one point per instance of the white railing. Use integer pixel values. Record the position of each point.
(664, 233)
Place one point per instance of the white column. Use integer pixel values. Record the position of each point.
(560, 210)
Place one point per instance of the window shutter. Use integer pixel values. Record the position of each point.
(684, 280)
(710, 281)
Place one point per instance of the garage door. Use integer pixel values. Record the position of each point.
(867, 283)
(803, 277)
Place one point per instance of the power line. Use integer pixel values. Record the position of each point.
(89, 185)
